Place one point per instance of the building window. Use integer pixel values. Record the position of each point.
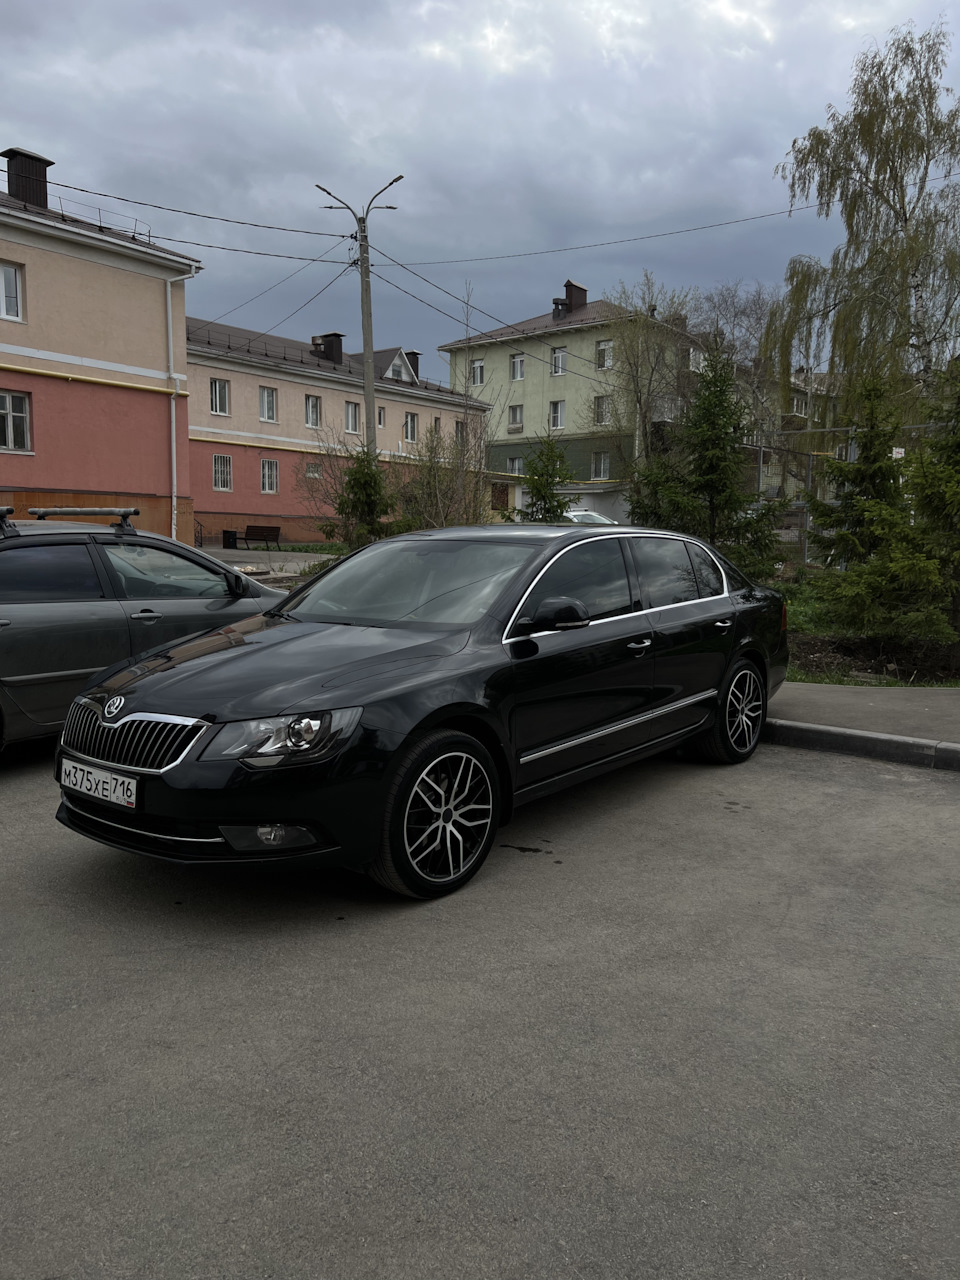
(558, 415)
(268, 404)
(269, 475)
(381, 417)
(351, 417)
(515, 466)
(476, 372)
(460, 432)
(11, 306)
(605, 354)
(14, 421)
(223, 472)
(410, 428)
(311, 411)
(515, 415)
(220, 396)
(600, 468)
(499, 496)
(558, 360)
(697, 359)
(313, 471)
(436, 424)
(799, 406)
(602, 410)
(516, 368)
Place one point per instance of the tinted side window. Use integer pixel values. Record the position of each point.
(48, 573)
(594, 573)
(707, 570)
(666, 574)
(147, 571)
(735, 579)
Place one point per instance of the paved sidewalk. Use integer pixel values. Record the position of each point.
(908, 726)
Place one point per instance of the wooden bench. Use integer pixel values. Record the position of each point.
(260, 533)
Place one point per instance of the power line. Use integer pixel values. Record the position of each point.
(300, 308)
(227, 248)
(262, 292)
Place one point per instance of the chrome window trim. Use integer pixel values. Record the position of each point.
(153, 835)
(506, 638)
(530, 756)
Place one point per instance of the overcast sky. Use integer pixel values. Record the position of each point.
(519, 127)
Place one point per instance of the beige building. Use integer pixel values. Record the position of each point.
(264, 410)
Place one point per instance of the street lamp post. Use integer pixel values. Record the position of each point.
(366, 312)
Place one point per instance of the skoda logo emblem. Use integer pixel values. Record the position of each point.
(113, 706)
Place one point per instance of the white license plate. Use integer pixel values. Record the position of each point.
(101, 784)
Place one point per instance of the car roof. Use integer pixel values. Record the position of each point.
(37, 527)
(530, 532)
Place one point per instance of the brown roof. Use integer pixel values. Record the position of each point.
(56, 217)
(593, 313)
(228, 339)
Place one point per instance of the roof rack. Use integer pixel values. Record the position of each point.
(124, 525)
(7, 528)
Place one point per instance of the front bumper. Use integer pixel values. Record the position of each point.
(179, 813)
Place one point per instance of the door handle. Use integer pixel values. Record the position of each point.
(723, 625)
(640, 644)
(146, 615)
(5, 622)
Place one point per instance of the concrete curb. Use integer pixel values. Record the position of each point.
(924, 752)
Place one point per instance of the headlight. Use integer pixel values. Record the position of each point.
(265, 742)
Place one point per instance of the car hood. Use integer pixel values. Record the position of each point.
(265, 666)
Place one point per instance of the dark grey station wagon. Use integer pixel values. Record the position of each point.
(77, 597)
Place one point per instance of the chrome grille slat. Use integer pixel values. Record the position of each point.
(143, 742)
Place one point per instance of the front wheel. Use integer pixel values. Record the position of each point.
(440, 817)
(735, 733)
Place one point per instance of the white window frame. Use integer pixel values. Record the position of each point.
(220, 406)
(268, 467)
(411, 422)
(557, 418)
(312, 402)
(515, 466)
(396, 370)
(7, 416)
(516, 367)
(799, 405)
(476, 373)
(558, 361)
(460, 431)
(602, 410)
(268, 401)
(313, 471)
(605, 353)
(351, 417)
(697, 359)
(515, 415)
(17, 272)
(223, 472)
(600, 465)
(381, 417)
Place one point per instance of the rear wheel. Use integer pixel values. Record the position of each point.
(735, 734)
(441, 816)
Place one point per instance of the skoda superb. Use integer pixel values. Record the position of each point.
(388, 715)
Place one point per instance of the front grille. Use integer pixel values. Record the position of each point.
(144, 742)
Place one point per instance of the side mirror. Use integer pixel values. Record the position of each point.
(556, 613)
(237, 585)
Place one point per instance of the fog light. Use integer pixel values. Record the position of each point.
(268, 835)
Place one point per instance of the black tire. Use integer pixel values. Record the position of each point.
(742, 709)
(440, 818)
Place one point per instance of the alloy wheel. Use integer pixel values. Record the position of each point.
(448, 817)
(744, 710)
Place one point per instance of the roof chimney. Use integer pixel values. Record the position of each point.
(414, 359)
(328, 346)
(559, 308)
(26, 176)
(576, 296)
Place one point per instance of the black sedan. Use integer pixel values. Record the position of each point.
(390, 714)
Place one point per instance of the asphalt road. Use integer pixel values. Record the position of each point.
(688, 1022)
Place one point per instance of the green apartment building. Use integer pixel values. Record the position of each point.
(550, 374)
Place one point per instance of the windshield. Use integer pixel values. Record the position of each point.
(430, 580)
